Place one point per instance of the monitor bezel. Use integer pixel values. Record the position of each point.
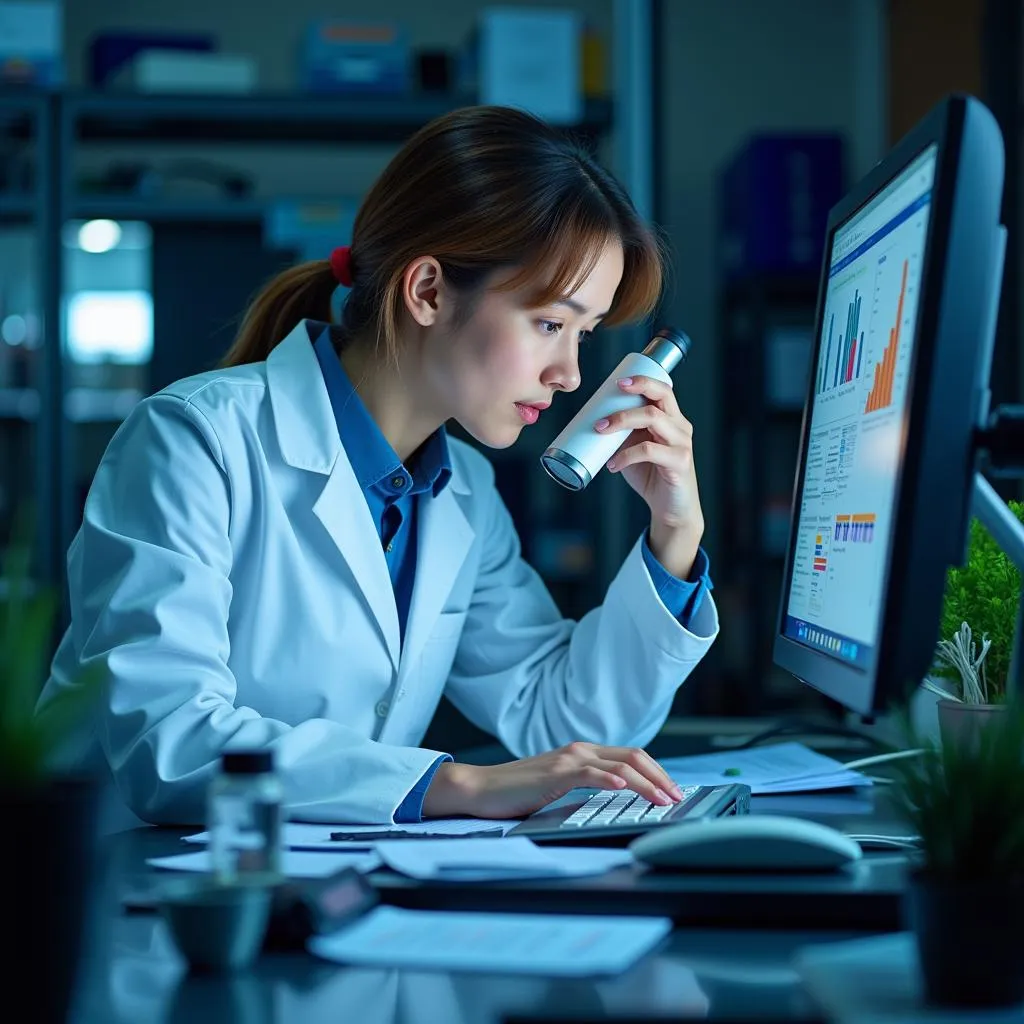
(898, 665)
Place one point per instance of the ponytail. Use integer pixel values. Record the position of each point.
(301, 292)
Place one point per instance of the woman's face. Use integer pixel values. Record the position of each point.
(495, 374)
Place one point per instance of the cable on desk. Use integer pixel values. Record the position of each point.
(797, 725)
(892, 755)
(869, 841)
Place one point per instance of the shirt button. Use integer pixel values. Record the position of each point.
(398, 481)
(382, 708)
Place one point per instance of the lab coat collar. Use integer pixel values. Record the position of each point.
(373, 459)
(308, 438)
(307, 431)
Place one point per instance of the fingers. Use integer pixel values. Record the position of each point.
(652, 452)
(642, 762)
(673, 430)
(592, 777)
(637, 782)
(658, 391)
(619, 767)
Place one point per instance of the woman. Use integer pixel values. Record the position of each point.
(289, 553)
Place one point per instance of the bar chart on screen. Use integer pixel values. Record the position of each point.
(856, 527)
(881, 394)
(841, 359)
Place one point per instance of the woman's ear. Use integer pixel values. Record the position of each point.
(422, 287)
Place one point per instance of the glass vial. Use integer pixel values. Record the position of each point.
(244, 815)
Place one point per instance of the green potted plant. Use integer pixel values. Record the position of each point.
(965, 894)
(979, 617)
(50, 815)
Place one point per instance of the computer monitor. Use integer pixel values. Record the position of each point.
(898, 385)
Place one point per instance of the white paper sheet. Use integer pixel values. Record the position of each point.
(547, 944)
(437, 826)
(294, 863)
(513, 857)
(294, 836)
(298, 835)
(777, 768)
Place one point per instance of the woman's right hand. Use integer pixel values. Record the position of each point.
(518, 788)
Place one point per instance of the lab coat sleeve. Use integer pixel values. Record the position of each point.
(538, 681)
(149, 578)
(682, 598)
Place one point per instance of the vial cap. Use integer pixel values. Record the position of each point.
(247, 762)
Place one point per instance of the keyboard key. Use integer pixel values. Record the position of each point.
(657, 812)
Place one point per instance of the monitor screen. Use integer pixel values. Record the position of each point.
(856, 435)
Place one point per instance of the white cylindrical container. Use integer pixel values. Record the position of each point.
(244, 815)
(576, 456)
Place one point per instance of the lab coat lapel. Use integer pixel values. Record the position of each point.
(443, 539)
(342, 509)
(308, 437)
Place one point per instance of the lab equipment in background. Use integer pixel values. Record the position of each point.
(244, 818)
(109, 50)
(310, 226)
(503, 63)
(191, 179)
(181, 71)
(341, 55)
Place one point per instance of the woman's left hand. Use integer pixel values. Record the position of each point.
(657, 462)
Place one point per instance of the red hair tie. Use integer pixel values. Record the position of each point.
(341, 265)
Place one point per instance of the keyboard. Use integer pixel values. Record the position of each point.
(600, 817)
(606, 808)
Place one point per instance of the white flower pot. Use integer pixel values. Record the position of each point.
(964, 723)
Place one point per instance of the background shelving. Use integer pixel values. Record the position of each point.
(201, 254)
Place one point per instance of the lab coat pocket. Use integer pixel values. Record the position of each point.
(426, 681)
(439, 654)
(449, 624)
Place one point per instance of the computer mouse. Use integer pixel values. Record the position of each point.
(746, 842)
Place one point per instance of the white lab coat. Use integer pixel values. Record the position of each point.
(230, 578)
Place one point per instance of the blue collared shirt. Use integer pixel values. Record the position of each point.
(390, 489)
(682, 598)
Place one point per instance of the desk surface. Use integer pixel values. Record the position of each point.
(730, 957)
(724, 975)
(740, 972)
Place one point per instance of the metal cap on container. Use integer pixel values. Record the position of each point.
(565, 469)
(247, 762)
(669, 347)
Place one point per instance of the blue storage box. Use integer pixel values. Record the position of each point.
(774, 198)
(342, 55)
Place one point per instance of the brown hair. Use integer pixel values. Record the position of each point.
(480, 189)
